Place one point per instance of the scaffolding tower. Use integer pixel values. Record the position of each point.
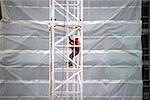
(69, 85)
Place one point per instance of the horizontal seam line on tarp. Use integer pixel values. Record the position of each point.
(83, 96)
(84, 82)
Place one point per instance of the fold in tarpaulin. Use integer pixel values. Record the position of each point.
(112, 50)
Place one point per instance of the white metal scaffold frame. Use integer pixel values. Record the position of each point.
(71, 87)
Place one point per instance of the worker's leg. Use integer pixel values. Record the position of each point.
(77, 51)
(71, 57)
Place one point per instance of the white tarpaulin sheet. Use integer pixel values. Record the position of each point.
(112, 50)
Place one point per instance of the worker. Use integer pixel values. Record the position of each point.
(75, 47)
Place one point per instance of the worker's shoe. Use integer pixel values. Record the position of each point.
(70, 63)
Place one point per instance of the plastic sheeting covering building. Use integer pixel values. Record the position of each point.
(112, 50)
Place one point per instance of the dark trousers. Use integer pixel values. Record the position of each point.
(74, 53)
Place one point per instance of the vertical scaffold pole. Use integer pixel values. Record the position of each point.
(52, 53)
(81, 21)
